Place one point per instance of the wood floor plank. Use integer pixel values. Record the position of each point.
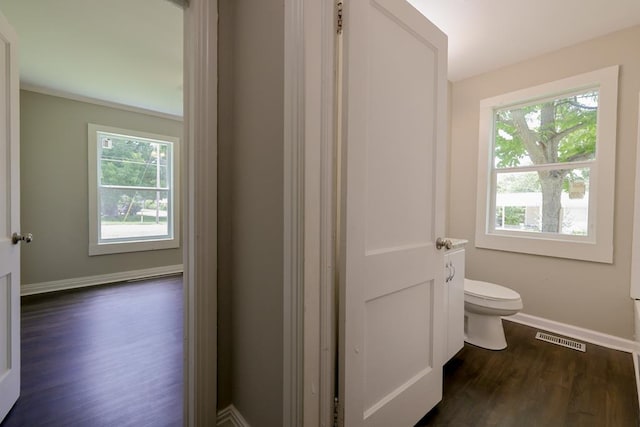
(537, 384)
(112, 356)
(102, 356)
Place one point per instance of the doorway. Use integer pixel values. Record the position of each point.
(70, 79)
(52, 183)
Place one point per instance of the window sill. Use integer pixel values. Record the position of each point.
(140, 246)
(537, 245)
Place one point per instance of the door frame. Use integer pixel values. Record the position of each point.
(309, 136)
(200, 166)
(320, 192)
(293, 211)
(200, 211)
(309, 164)
(635, 246)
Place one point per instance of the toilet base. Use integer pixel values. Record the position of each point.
(484, 331)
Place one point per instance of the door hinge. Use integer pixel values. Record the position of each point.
(339, 17)
(337, 413)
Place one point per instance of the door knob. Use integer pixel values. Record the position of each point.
(443, 243)
(17, 238)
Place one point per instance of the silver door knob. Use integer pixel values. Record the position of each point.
(443, 243)
(17, 238)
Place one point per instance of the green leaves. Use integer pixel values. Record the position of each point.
(559, 132)
(129, 162)
(564, 130)
(509, 149)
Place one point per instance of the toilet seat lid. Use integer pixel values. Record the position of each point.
(489, 291)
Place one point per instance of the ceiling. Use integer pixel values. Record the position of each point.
(130, 52)
(488, 34)
(123, 51)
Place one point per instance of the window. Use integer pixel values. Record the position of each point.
(132, 191)
(546, 168)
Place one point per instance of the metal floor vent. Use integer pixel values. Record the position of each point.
(575, 345)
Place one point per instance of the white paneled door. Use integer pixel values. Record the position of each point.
(393, 185)
(9, 221)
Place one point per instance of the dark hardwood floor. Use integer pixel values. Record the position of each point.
(112, 356)
(534, 383)
(102, 356)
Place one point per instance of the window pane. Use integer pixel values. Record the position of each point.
(556, 131)
(131, 162)
(127, 214)
(165, 161)
(555, 201)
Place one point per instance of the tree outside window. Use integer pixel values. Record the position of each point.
(134, 187)
(546, 149)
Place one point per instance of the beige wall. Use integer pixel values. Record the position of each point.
(54, 188)
(251, 208)
(584, 294)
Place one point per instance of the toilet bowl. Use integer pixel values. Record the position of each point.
(484, 305)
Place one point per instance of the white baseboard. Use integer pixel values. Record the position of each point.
(81, 282)
(231, 417)
(576, 332)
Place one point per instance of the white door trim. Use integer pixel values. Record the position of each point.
(200, 211)
(294, 168)
(320, 212)
(635, 246)
(328, 213)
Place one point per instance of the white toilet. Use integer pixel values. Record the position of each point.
(484, 305)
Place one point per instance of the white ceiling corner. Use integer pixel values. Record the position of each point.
(488, 34)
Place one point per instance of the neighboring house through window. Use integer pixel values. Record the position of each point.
(132, 191)
(546, 168)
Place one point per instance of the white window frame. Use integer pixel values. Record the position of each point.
(598, 245)
(101, 248)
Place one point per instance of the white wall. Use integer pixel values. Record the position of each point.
(590, 295)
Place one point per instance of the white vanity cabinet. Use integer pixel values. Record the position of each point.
(454, 300)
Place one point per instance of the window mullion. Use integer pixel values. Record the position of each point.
(132, 187)
(547, 166)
